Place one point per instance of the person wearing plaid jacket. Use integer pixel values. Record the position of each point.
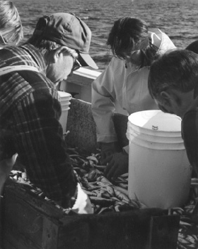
(29, 106)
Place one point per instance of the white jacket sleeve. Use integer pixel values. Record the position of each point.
(103, 105)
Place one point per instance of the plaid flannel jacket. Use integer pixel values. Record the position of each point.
(30, 110)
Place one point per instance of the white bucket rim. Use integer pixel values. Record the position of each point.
(65, 109)
(65, 104)
(156, 146)
(156, 139)
(142, 115)
(63, 94)
(64, 98)
(154, 132)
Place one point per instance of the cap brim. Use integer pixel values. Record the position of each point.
(86, 60)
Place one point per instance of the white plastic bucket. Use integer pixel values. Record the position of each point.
(159, 170)
(64, 99)
(64, 96)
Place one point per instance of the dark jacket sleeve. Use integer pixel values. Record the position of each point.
(190, 136)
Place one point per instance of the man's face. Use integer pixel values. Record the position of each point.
(63, 64)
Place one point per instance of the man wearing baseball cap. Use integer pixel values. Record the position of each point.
(29, 106)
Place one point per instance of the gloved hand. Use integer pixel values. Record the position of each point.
(5, 168)
(117, 164)
(107, 149)
(82, 204)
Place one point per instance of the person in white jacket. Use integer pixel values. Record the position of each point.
(123, 84)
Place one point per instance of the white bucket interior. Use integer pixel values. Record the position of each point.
(159, 170)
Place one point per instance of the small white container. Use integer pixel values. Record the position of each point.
(159, 170)
(64, 99)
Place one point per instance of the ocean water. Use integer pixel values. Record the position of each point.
(177, 18)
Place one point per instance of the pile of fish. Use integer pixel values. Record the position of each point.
(112, 196)
(105, 195)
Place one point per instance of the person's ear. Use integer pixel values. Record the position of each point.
(165, 98)
(57, 53)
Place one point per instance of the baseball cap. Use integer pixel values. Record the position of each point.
(68, 30)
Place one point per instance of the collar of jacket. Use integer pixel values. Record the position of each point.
(36, 56)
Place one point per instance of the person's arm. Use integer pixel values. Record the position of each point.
(39, 143)
(103, 105)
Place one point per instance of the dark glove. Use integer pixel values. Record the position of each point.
(117, 164)
(107, 149)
